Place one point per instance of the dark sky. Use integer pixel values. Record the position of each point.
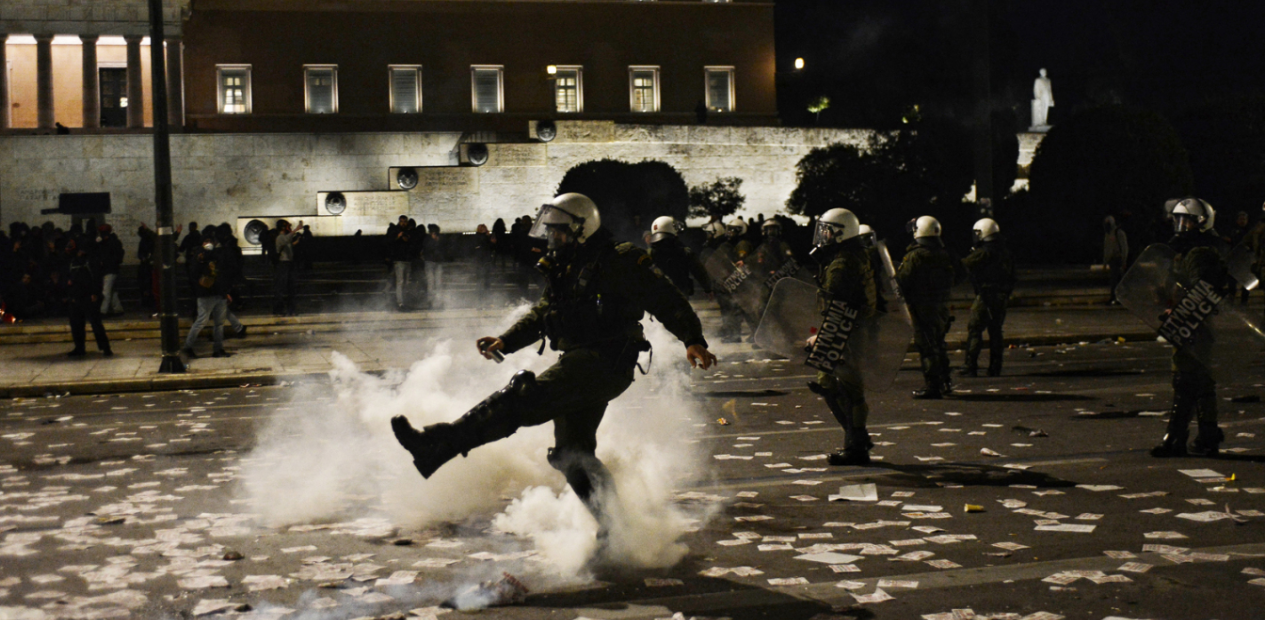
(875, 58)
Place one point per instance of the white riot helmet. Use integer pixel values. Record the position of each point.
(868, 238)
(836, 226)
(984, 229)
(925, 226)
(567, 218)
(714, 229)
(663, 227)
(737, 226)
(771, 228)
(1193, 210)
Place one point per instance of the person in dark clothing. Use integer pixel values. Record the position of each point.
(400, 248)
(212, 294)
(434, 255)
(992, 271)
(1239, 234)
(188, 248)
(83, 288)
(676, 261)
(145, 279)
(597, 291)
(484, 249)
(926, 276)
(283, 281)
(1199, 258)
(110, 256)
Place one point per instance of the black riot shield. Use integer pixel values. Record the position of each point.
(874, 346)
(1192, 317)
(742, 284)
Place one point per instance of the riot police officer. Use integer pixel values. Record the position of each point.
(595, 295)
(1198, 257)
(926, 275)
(845, 275)
(991, 268)
(671, 256)
(737, 248)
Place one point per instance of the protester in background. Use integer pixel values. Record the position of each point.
(83, 287)
(435, 254)
(400, 251)
(145, 267)
(212, 297)
(1239, 234)
(283, 279)
(483, 248)
(1115, 252)
(110, 256)
(188, 248)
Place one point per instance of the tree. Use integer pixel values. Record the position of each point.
(1109, 160)
(629, 196)
(925, 169)
(1226, 138)
(717, 199)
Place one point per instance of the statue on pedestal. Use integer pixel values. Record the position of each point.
(1042, 101)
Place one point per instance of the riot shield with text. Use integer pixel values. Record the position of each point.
(739, 282)
(1192, 316)
(873, 346)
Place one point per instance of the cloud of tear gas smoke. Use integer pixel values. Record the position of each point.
(646, 441)
(337, 460)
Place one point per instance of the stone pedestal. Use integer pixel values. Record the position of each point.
(135, 88)
(91, 83)
(44, 80)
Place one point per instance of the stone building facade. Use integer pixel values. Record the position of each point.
(232, 177)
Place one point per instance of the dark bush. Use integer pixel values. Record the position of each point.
(629, 196)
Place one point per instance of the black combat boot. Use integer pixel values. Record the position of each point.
(931, 391)
(994, 370)
(495, 418)
(1178, 431)
(857, 451)
(1208, 441)
(971, 370)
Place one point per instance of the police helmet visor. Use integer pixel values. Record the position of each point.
(548, 216)
(1183, 222)
(826, 233)
(733, 231)
(912, 226)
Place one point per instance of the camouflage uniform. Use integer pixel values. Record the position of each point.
(590, 311)
(848, 277)
(992, 271)
(926, 275)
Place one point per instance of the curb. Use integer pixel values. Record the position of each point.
(167, 383)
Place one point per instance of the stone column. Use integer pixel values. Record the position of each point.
(44, 80)
(135, 89)
(91, 83)
(4, 83)
(175, 83)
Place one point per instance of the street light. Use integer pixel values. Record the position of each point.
(552, 70)
(799, 64)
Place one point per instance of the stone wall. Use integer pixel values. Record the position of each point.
(222, 177)
(114, 17)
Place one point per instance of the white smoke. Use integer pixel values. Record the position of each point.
(340, 459)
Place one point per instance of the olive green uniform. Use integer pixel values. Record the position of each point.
(591, 311)
(926, 275)
(847, 277)
(992, 270)
(1194, 388)
(731, 314)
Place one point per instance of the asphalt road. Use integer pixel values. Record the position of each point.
(140, 506)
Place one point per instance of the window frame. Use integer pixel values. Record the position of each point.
(707, 88)
(219, 88)
(417, 75)
(307, 94)
(632, 88)
(579, 88)
(500, 88)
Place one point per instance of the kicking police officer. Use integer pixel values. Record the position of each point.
(992, 270)
(846, 275)
(926, 275)
(596, 292)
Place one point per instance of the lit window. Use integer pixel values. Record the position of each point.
(644, 88)
(233, 88)
(406, 89)
(720, 89)
(321, 92)
(486, 95)
(568, 89)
